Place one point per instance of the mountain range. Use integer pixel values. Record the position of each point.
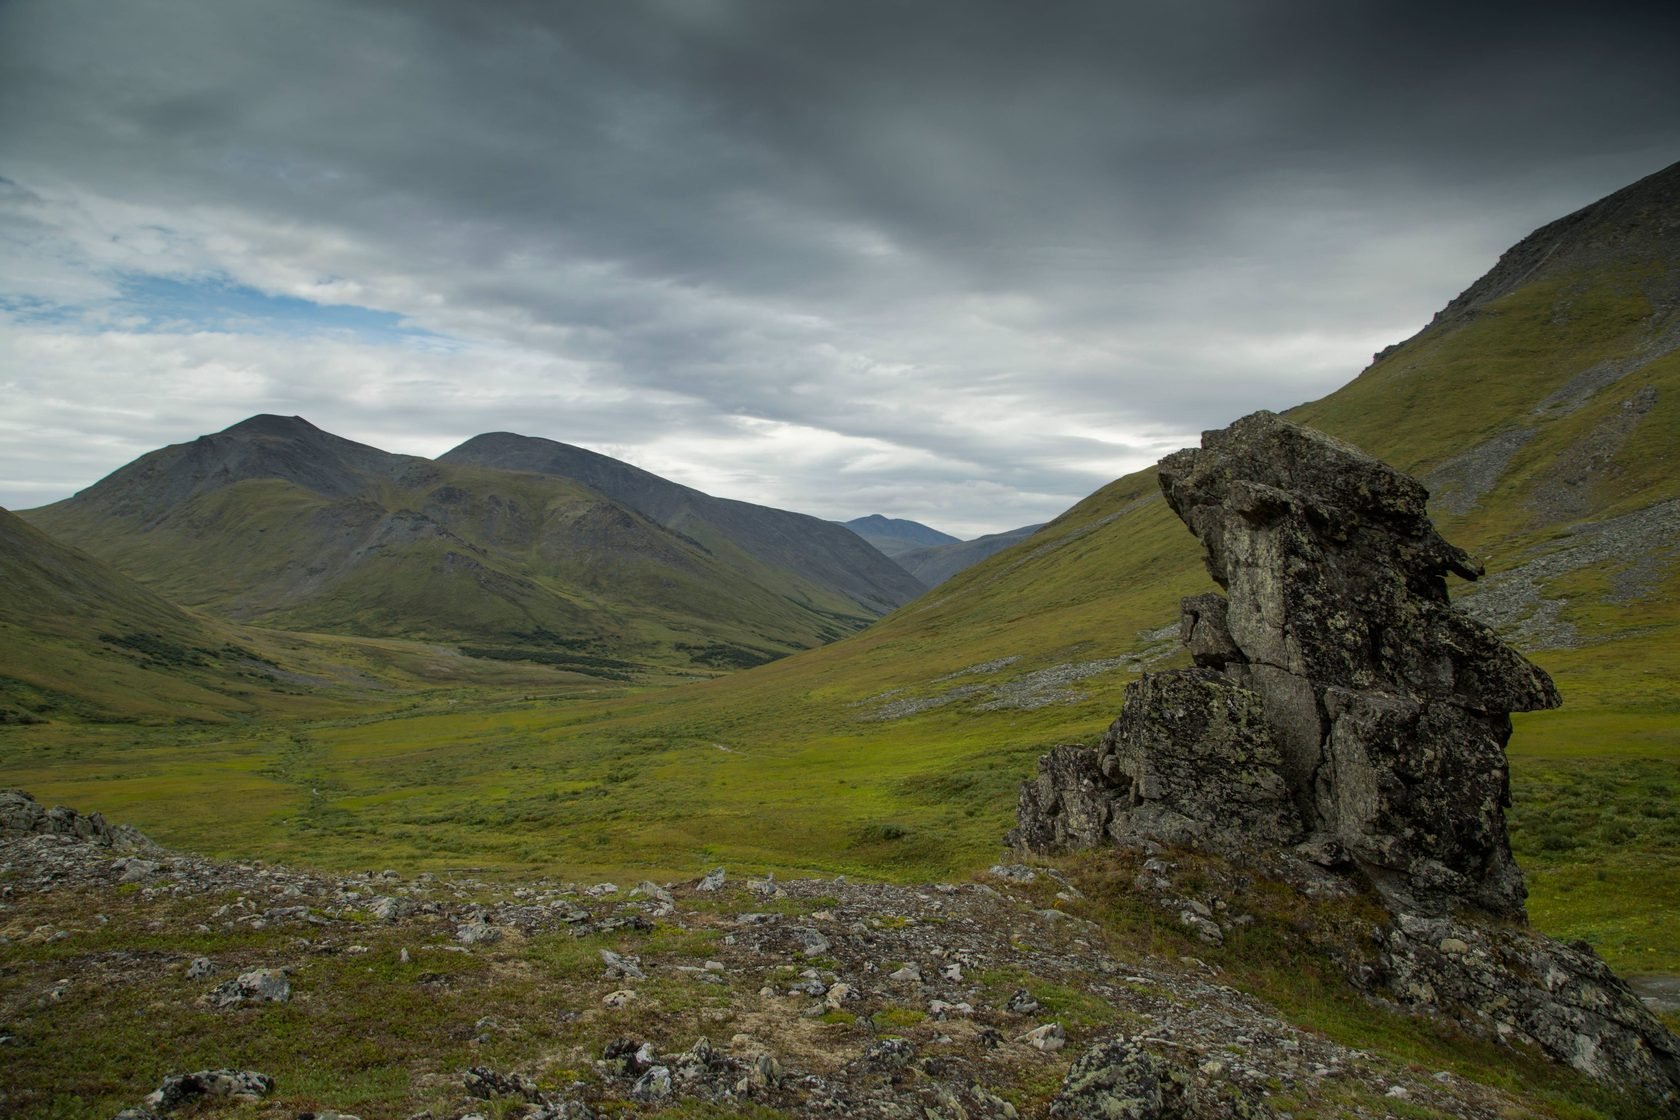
(514, 547)
(929, 555)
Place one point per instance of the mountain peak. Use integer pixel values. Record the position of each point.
(1642, 220)
(270, 424)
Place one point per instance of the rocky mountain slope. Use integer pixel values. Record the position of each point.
(274, 521)
(819, 552)
(894, 535)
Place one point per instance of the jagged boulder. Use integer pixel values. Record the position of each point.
(1338, 696)
(1190, 760)
(1345, 725)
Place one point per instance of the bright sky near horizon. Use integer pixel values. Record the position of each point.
(961, 262)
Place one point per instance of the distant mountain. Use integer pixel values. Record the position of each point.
(933, 566)
(893, 536)
(277, 522)
(819, 552)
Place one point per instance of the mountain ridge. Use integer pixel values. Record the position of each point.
(273, 520)
(894, 536)
(819, 551)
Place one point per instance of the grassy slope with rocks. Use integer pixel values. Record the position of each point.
(816, 996)
(897, 752)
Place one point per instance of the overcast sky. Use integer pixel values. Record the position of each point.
(959, 262)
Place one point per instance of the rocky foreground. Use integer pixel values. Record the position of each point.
(158, 982)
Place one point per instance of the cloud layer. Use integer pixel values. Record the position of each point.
(961, 262)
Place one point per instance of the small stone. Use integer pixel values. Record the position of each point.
(478, 932)
(137, 869)
(812, 943)
(388, 909)
(1454, 946)
(894, 1053)
(1049, 1037)
(909, 974)
(257, 986)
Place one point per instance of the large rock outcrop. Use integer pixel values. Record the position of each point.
(1345, 723)
(1339, 698)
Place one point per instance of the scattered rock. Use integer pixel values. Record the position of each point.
(812, 942)
(1049, 1037)
(184, 1088)
(257, 986)
(622, 968)
(485, 1084)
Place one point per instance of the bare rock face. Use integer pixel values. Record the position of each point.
(1345, 724)
(1339, 698)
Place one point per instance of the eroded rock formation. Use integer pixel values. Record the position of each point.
(1345, 723)
(1339, 699)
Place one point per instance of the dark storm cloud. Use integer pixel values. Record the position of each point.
(1006, 247)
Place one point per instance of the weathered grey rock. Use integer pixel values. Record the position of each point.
(486, 1084)
(183, 1088)
(200, 967)
(1337, 691)
(391, 909)
(1343, 720)
(1118, 1080)
(713, 880)
(477, 932)
(1571, 1006)
(812, 942)
(257, 986)
(20, 813)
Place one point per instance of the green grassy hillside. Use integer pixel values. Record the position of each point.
(82, 646)
(276, 523)
(1542, 409)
